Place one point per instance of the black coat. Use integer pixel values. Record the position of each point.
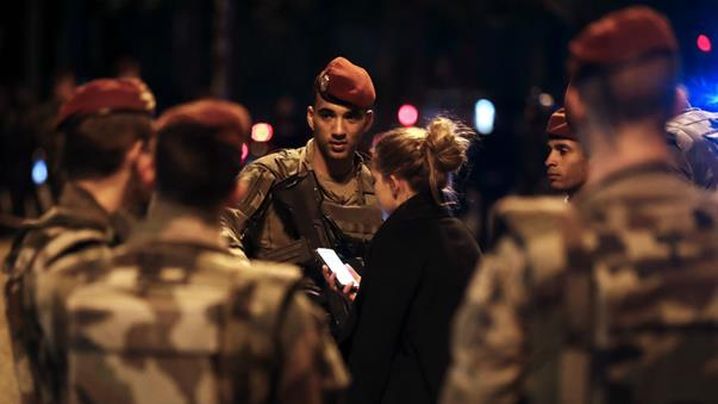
(417, 268)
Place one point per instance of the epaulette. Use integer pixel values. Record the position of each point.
(282, 163)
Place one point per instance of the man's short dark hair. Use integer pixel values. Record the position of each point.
(195, 167)
(644, 89)
(95, 146)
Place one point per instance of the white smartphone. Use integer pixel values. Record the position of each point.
(336, 265)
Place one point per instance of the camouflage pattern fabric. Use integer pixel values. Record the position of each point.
(689, 139)
(613, 300)
(173, 317)
(77, 225)
(8, 383)
(257, 209)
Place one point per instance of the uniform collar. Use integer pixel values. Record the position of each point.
(175, 223)
(594, 191)
(82, 207)
(83, 202)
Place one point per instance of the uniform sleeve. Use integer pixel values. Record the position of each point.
(255, 181)
(489, 345)
(312, 368)
(7, 373)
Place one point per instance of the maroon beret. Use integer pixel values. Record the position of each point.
(558, 127)
(621, 37)
(103, 96)
(231, 119)
(342, 82)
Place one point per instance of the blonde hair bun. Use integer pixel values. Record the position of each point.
(426, 158)
(446, 144)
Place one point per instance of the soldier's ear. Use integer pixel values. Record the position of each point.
(310, 117)
(133, 154)
(369, 120)
(146, 168)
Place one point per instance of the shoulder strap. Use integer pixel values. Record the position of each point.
(298, 204)
(263, 177)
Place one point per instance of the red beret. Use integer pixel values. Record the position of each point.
(213, 113)
(103, 96)
(342, 82)
(558, 128)
(621, 37)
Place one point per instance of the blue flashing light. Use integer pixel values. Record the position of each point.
(484, 116)
(39, 172)
(703, 92)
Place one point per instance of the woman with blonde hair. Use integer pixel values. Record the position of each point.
(417, 267)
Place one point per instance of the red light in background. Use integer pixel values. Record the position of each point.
(408, 115)
(704, 43)
(262, 132)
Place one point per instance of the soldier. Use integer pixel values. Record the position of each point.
(320, 195)
(566, 163)
(172, 316)
(693, 141)
(107, 128)
(613, 301)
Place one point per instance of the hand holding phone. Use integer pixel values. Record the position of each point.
(336, 266)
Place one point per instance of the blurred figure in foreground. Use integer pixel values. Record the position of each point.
(107, 129)
(206, 325)
(613, 301)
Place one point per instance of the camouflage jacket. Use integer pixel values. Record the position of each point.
(172, 316)
(256, 221)
(691, 137)
(77, 225)
(611, 301)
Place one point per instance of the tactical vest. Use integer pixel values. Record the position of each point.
(185, 329)
(313, 221)
(310, 220)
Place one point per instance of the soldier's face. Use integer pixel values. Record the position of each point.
(337, 129)
(566, 165)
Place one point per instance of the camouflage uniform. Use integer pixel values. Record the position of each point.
(173, 317)
(620, 310)
(356, 198)
(692, 139)
(77, 225)
(266, 228)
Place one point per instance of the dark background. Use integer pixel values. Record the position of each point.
(438, 55)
